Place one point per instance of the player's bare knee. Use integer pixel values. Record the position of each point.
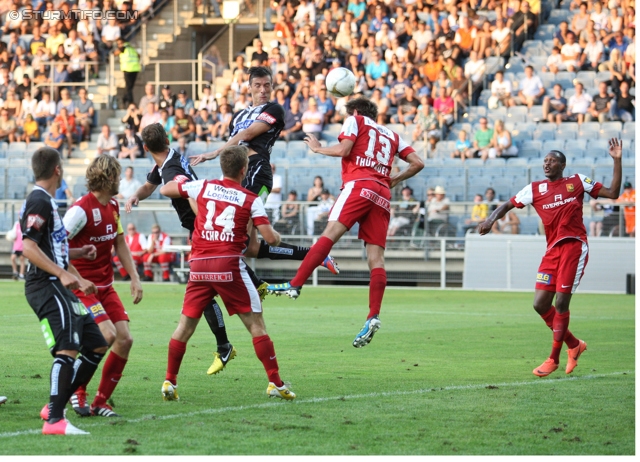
(125, 343)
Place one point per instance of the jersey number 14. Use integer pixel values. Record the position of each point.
(225, 219)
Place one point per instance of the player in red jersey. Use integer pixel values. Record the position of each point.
(367, 151)
(156, 253)
(95, 219)
(558, 201)
(225, 211)
(137, 244)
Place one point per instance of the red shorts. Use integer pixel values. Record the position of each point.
(226, 277)
(563, 266)
(365, 202)
(104, 306)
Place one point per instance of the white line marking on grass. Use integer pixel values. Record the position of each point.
(334, 398)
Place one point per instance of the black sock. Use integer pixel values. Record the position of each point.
(257, 282)
(283, 251)
(213, 315)
(84, 368)
(61, 376)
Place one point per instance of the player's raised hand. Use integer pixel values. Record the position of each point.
(131, 202)
(195, 160)
(312, 142)
(615, 148)
(136, 290)
(484, 227)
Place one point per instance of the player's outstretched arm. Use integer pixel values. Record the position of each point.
(615, 151)
(342, 149)
(170, 190)
(415, 165)
(141, 194)
(255, 129)
(124, 255)
(88, 252)
(36, 256)
(485, 226)
(270, 235)
(84, 285)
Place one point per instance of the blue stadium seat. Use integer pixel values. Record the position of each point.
(573, 152)
(611, 126)
(517, 118)
(551, 145)
(532, 144)
(529, 224)
(517, 161)
(597, 145)
(586, 78)
(543, 135)
(566, 135)
(629, 127)
(608, 134)
(588, 129)
(580, 143)
(557, 16)
(497, 162)
(535, 114)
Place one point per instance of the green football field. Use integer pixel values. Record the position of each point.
(449, 372)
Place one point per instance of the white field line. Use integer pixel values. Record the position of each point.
(333, 398)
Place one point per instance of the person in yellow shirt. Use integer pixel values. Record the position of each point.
(629, 195)
(55, 39)
(30, 130)
(479, 213)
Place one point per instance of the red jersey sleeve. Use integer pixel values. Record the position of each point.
(349, 129)
(258, 213)
(590, 186)
(404, 149)
(190, 189)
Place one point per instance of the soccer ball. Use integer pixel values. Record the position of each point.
(340, 82)
(11, 235)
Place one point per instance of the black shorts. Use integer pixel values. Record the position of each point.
(17, 253)
(259, 179)
(65, 322)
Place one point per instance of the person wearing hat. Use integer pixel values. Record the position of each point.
(22, 70)
(130, 144)
(129, 65)
(437, 209)
(186, 103)
(629, 195)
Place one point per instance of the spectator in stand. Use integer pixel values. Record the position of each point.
(22, 70)
(260, 55)
(55, 39)
(316, 214)
(221, 127)
(107, 142)
(185, 103)
(137, 244)
(438, 210)
(482, 139)
(500, 92)
(132, 117)
(500, 40)
(465, 36)
(623, 106)
(427, 125)
(629, 196)
(65, 102)
(204, 125)
(617, 71)
(167, 100)
(479, 213)
(30, 130)
(150, 115)
(508, 224)
(12, 104)
(67, 124)
(581, 18)
(407, 107)
(592, 54)
(490, 199)
(109, 35)
(432, 67)
(157, 253)
(84, 112)
(149, 97)
(554, 106)
(600, 106)
(325, 105)
(312, 119)
(402, 214)
(293, 122)
(289, 213)
(501, 143)
(130, 144)
(570, 53)
(54, 139)
(128, 185)
(63, 197)
(167, 123)
(444, 107)
(531, 88)
(27, 106)
(523, 25)
(380, 101)
(184, 126)
(554, 62)
(463, 148)
(375, 69)
(577, 106)
(208, 100)
(7, 127)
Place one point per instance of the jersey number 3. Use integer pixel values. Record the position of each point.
(225, 219)
(384, 154)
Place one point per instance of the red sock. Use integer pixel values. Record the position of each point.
(376, 290)
(176, 352)
(569, 338)
(314, 258)
(267, 354)
(111, 374)
(560, 326)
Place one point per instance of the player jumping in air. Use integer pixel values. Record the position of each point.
(225, 210)
(367, 151)
(67, 326)
(95, 219)
(558, 201)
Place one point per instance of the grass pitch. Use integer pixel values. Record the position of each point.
(447, 373)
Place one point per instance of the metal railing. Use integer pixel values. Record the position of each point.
(51, 84)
